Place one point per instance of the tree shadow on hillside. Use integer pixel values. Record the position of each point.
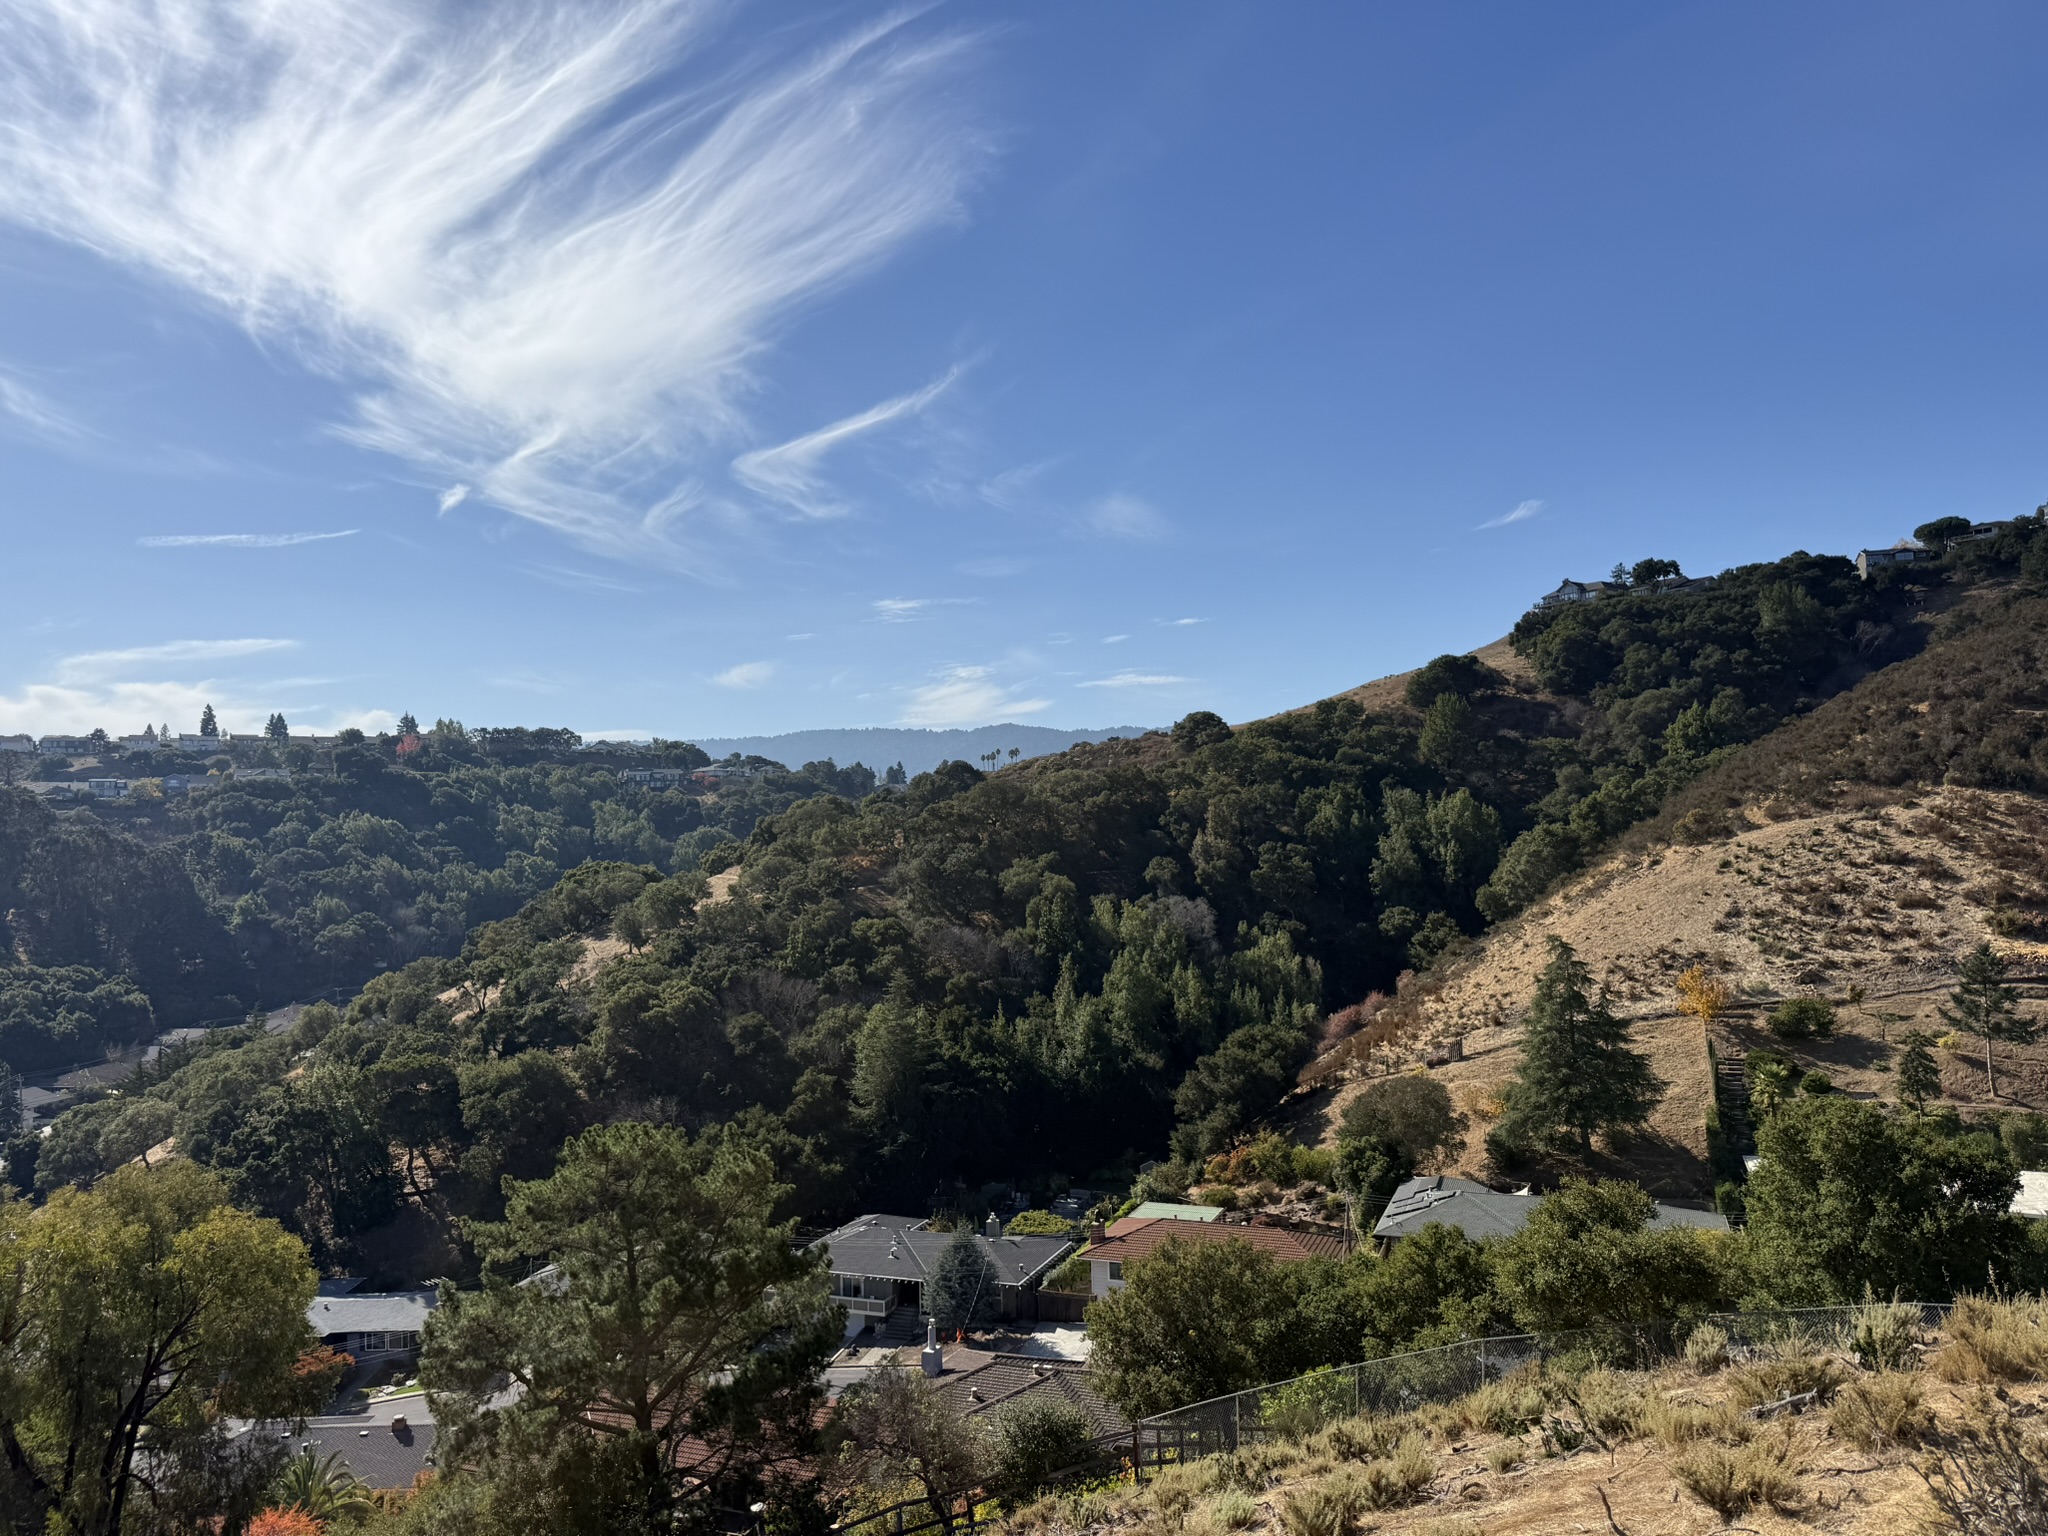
(1667, 1168)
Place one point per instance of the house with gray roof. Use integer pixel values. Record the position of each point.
(369, 1324)
(1480, 1212)
(385, 1444)
(880, 1265)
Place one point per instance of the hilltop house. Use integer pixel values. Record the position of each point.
(1905, 552)
(65, 746)
(1134, 1238)
(21, 743)
(880, 1265)
(1480, 1212)
(1569, 591)
(658, 778)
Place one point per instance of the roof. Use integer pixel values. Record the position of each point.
(1168, 1211)
(975, 1383)
(1480, 1212)
(368, 1444)
(371, 1312)
(2032, 1200)
(1133, 1238)
(904, 1248)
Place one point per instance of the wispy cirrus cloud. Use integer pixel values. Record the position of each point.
(902, 610)
(1522, 512)
(545, 245)
(747, 674)
(241, 540)
(966, 696)
(1131, 519)
(28, 412)
(170, 654)
(1136, 680)
(791, 473)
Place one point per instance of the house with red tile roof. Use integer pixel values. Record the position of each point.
(1136, 1238)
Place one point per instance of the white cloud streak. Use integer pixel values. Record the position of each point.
(748, 674)
(789, 473)
(545, 245)
(240, 540)
(1522, 513)
(173, 653)
(966, 696)
(1136, 680)
(903, 610)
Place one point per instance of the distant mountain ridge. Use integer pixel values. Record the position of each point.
(919, 751)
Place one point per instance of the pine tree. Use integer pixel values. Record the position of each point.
(1919, 1075)
(1984, 1006)
(1578, 1076)
(276, 729)
(964, 1288)
(407, 725)
(208, 726)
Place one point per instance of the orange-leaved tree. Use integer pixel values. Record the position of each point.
(285, 1522)
(1705, 997)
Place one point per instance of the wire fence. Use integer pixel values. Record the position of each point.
(1403, 1383)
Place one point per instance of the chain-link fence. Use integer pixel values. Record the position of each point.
(1403, 1383)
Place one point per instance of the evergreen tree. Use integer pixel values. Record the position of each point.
(407, 725)
(276, 729)
(208, 726)
(962, 1292)
(1984, 1006)
(1919, 1076)
(681, 1336)
(1578, 1076)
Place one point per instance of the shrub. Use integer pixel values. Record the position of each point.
(1232, 1511)
(1323, 1509)
(1037, 1437)
(1885, 1334)
(1507, 1406)
(1304, 1405)
(1397, 1479)
(1608, 1403)
(1679, 1424)
(1505, 1455)
(1730, 1480)
(1789, 1367)
(1993, 1339)
(1816, 1083)
(1802, 1018)
(1706, 1348)
(1880, 1411)
(1361, 1439)
(1039, 1224)
(1988, 1476)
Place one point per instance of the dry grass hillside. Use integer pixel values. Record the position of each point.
(1862, 849)
(1706, 1445)
(1882, 896)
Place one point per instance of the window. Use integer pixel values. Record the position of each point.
(1116, 1270)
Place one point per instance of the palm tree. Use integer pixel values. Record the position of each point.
(323, 1489)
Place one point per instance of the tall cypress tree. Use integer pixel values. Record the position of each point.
(963, 1290)
(208, 726)
(1578, 1076)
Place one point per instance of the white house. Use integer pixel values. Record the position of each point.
(66, 746)
(21, 743)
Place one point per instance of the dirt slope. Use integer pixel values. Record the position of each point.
(1883, 896)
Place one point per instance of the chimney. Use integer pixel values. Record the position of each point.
(994, 1228)
(933, 1356)
(1097, 1232)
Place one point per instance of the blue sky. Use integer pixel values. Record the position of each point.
(708, 369)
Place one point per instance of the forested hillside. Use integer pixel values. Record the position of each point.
(1088, 960)
(259, 891)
